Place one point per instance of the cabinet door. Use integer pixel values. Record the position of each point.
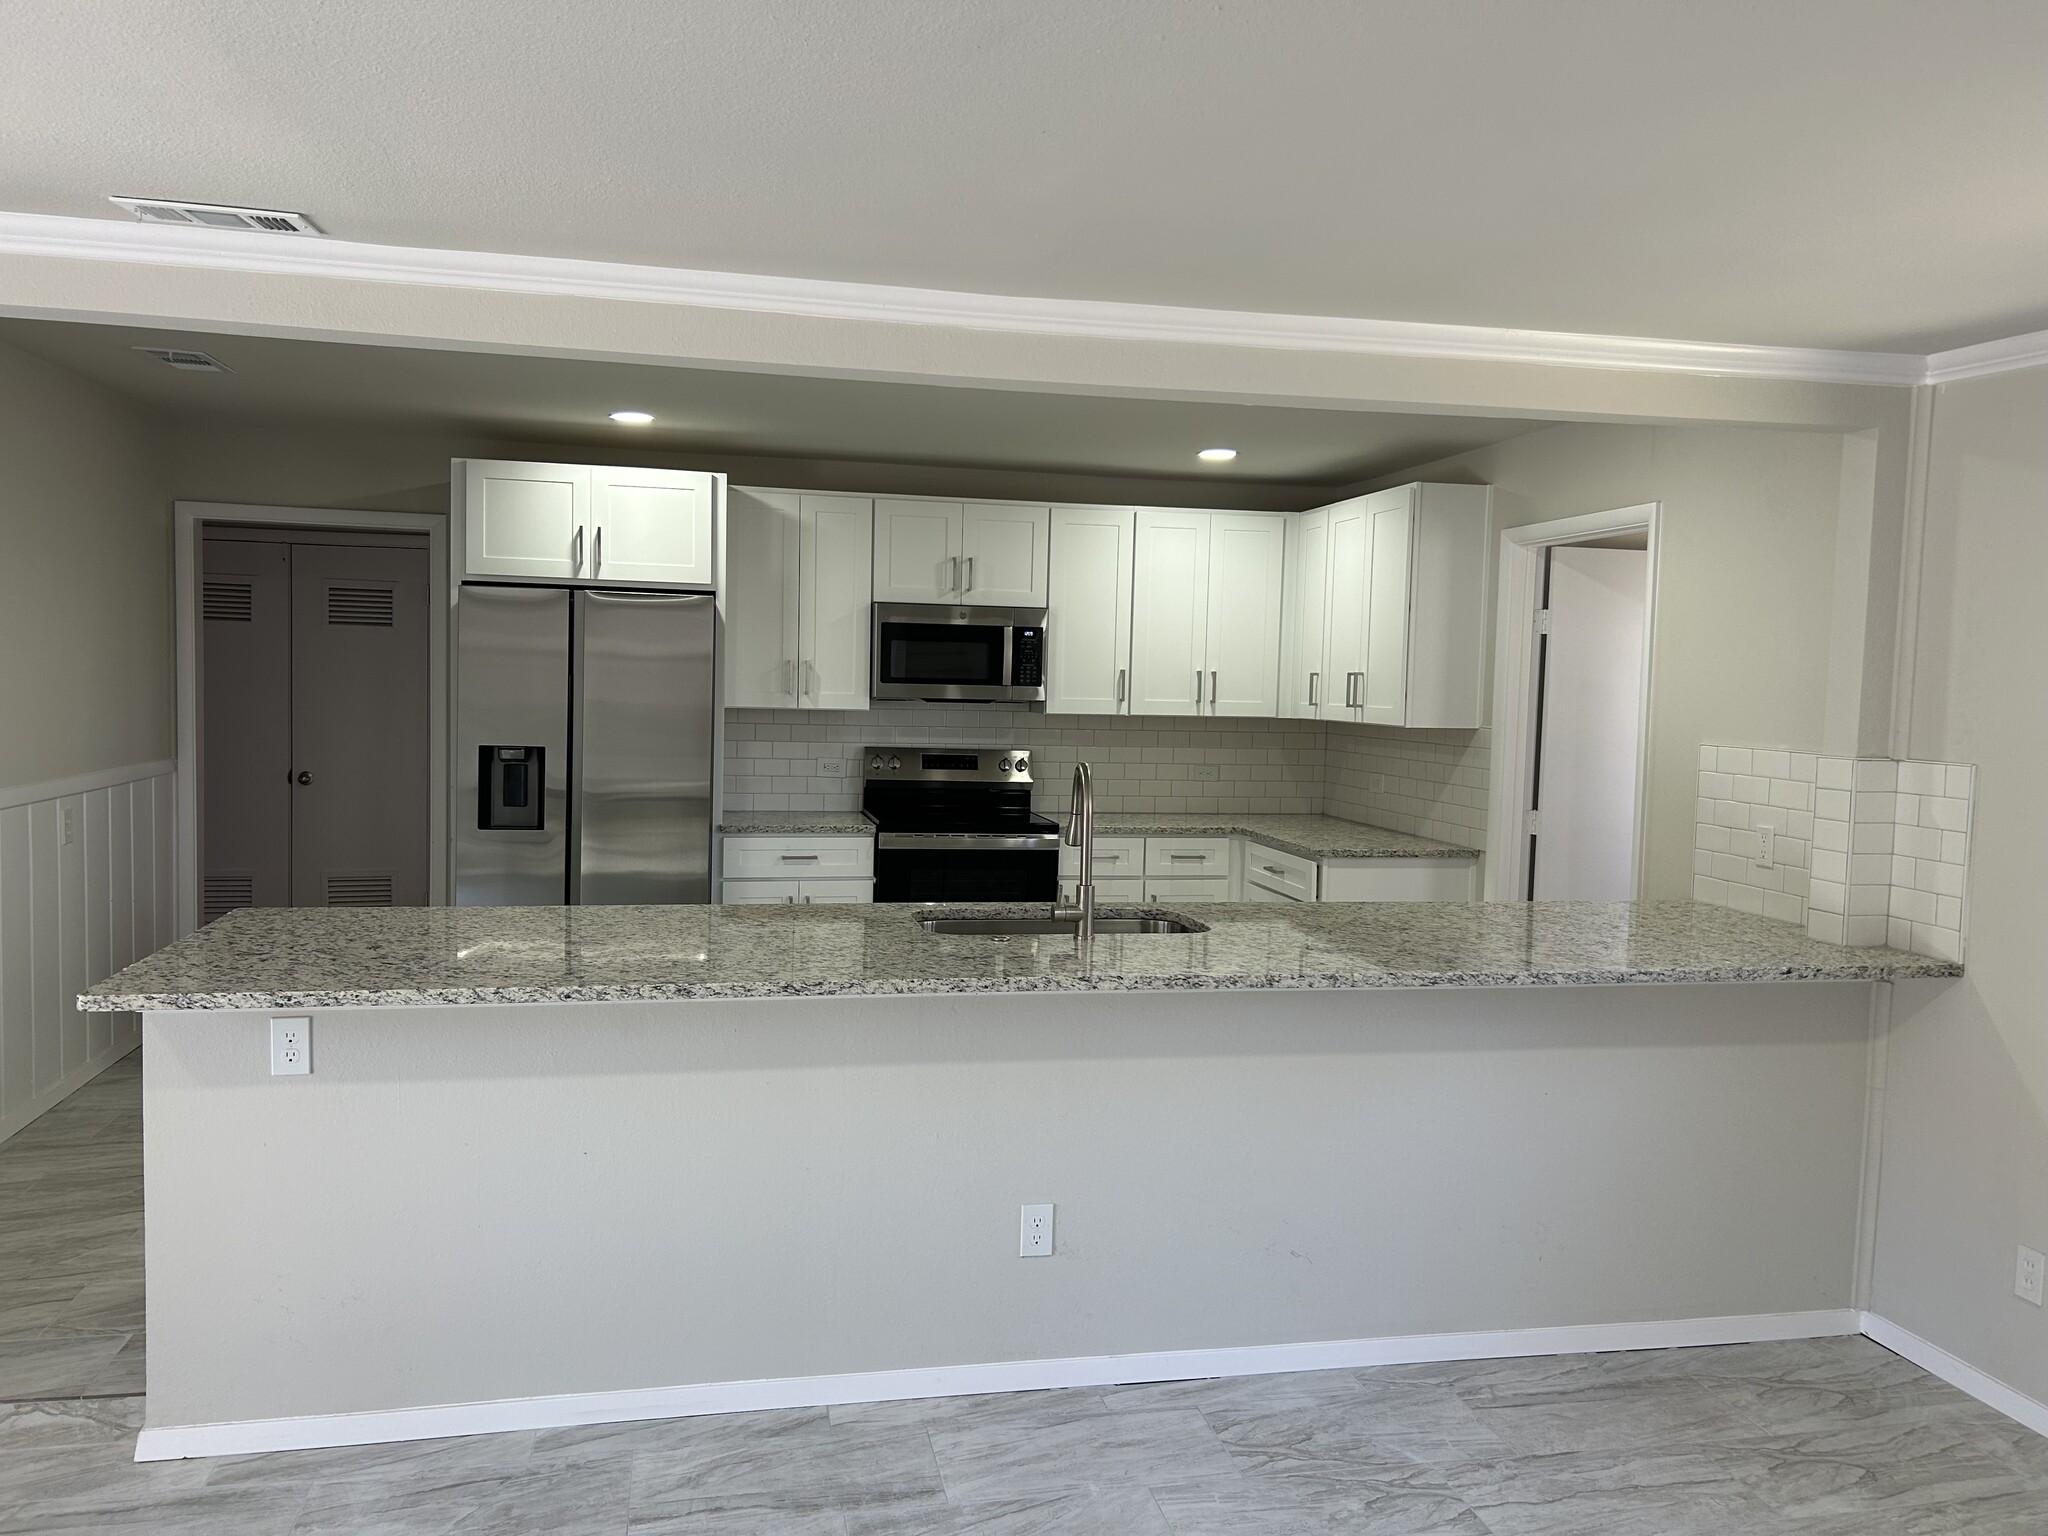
(757, 893)
(835, 537)
(917, 551)
(1088, 613)
(1304, 680)
(1383, 694)
(528, 520)
(1170, 613)
(1344, 627)
(1003, 554)
(836, 893)
(760, 600)
(652, 527)
(1246, 570)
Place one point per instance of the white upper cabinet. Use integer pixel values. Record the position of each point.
(796, 600)
(1246, 587)
(583, 522)
(653, 527)
(834, 537)
(992, 553)
(1404, 621)
(1303, 668)
(760, 599)
(1088, 618)
(1004, 554)
(1170, 613)
(523, 520)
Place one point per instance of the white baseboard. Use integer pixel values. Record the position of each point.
(127, 1035)
(170, 1442)
(1986, 1388)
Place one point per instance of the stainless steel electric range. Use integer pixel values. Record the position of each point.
(956, 824)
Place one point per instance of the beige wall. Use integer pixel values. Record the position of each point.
(1965, 1171)
(85, 578)
(465, 1204)
(1747, 569)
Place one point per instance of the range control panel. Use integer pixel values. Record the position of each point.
(954, 765)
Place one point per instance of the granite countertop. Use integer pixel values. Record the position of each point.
(784, 823)
(1311, 837)
(324, 957)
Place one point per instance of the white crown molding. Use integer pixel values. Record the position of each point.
(1988, 357)
(78, 239)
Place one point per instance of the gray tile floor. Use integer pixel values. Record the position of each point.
(1832, 1437)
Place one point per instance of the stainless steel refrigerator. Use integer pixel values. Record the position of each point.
(583, 746)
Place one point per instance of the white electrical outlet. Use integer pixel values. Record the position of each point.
(1205, 771)
(1766, 847)
(830, 768)
(291, 1047)
(1034, 1232)
(2028, 1275)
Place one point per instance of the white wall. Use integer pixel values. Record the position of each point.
(1746, 569)
(466, 1204)
(85, 720)
(1965, 1172)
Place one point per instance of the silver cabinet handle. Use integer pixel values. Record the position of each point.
(799, 858)
(810, 678)
(1198, 687)
(1109, 858)
(1189, 858)
(576, 553)
(1272, 869)
(1213, 695)
(953, 573)
(1313, 679)
(789, 901)
(807, 901)
(1351, 689)
(968, 585)
(789, 678)
(597, 550)
(1123, 676)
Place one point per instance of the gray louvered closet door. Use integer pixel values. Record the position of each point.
(359, 726)
(245, 598)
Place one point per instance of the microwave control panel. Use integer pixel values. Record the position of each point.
(1027, 657)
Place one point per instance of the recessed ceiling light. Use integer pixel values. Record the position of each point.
(632, 418)
(1217, 455)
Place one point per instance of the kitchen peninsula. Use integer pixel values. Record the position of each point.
(572, 1165)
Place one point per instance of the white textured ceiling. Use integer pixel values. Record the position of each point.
(706, 411)
(1839, 173)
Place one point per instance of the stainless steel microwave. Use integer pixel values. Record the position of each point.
(941, 652)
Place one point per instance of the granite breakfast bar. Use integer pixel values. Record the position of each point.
(572, 1165)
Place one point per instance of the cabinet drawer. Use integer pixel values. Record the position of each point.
(1115, 857)
(1285, 873)
(798, 893)
(1106, 891)
(1209, 889)
(1259, 893)
(806, 858)
(1180, 856)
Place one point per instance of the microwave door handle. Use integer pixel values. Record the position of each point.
(1009, 661)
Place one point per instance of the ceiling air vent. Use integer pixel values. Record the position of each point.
(191, 362)
(273, 221)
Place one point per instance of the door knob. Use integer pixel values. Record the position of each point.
(304, 777)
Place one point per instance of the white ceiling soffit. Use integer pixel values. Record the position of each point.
(29, 234)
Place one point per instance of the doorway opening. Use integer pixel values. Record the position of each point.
(312, 703)
(1572, 707)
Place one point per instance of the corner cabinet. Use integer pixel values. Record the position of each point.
(1388, 609)
(523, 521)
(963, 552)
(796, 600)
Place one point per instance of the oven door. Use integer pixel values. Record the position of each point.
(938, 652)
(940, 868)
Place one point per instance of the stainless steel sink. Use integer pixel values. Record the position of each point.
(1021, 927)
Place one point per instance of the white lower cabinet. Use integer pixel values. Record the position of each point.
(1193, 889)
(1270, 875)
(1398, 879)
(797, 870)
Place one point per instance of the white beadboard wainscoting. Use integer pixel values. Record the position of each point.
(85, 887)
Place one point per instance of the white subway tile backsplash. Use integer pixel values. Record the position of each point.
(1877, 774)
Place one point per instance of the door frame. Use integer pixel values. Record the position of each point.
(1518, 600)
(187, 519)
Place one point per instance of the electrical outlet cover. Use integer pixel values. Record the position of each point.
(1034, 1232)
(2028, 1275)
(291, 1047)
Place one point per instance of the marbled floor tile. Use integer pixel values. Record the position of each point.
(633, 1437)
(989, 1461)
(127, 1373)
(63, 1423)
(1054, 1406)
(1222, 1398)
(99, 1470)
(1646, 1492)
(30, 1305)
(425, 1463)
(113, 1304)
(186, 1512)
(1256, 1506)
(819, 1464)
(1810, 1490)
(1391, 1429)
(758, 1515)
(55, 1367)
(1615, 1416)
(571, 1501)
(1070, 1512)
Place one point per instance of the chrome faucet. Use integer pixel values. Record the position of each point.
(1080, 833)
